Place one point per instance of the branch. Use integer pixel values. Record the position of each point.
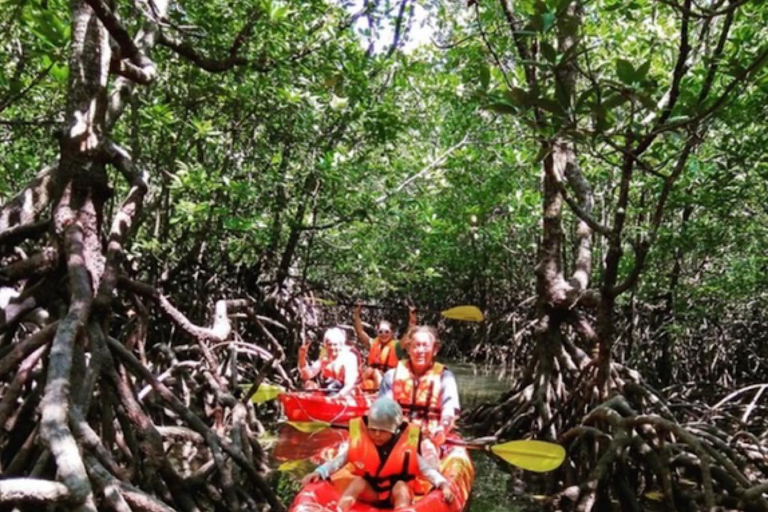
(706, 13)
(221, 325)
(213, 440)
(490, 47)
(10, 100)
(438, 161)
(128, 49)
(581, 213)
(123, 221)
(189, 52)
(19, 233)
(642, 249)
(54, 421)
(677, 76)
(25, 208)
(398, 28)
(33, 490)
(145, 42)
(715, 58)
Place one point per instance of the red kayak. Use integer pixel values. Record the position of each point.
(293, 444)
(318, 406)
(455, 465)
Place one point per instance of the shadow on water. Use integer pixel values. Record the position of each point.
(495, 482)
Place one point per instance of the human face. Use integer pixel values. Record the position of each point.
(379, 437)
(332, 347)
(421, 350)
(384, 332)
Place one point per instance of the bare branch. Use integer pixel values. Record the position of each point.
(25, 208)
(674, 88)
(435, 163)
(22, 232)
(33, 490)
(398, 28)
(124, 219)
(54, 422)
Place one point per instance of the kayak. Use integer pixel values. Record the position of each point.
(455, 465)
(317, 406)
(293, 444)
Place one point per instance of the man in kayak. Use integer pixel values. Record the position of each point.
(425, 389)
(384, 456)
(337, 370)
(384, 351)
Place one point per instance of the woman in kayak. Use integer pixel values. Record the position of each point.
(384, 351)
(337, 370)
(426, 390)
(383, 453)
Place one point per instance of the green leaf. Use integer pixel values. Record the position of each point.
(625, 71)
(519, 97)
(549, 52)
(642, 71)
(485, 76)
(501, 108)
(548, 21)
(614, 100)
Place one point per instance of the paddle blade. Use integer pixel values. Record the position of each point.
(309, 427)
(266, 392)
(537, 456)
(291, 465)
(466, 313)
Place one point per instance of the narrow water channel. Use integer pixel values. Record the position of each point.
(295, 454)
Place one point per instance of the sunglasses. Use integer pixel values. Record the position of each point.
(384, 331)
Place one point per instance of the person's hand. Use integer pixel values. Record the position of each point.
(412, 320)
(312, 478)
(437, 435)
(447, 492)
(358, 307)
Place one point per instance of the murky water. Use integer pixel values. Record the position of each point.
(295, 454)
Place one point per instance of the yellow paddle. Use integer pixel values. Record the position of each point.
(266, 392)
(528, 454)
(466, 313)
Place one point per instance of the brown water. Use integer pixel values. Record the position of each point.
(296, 454)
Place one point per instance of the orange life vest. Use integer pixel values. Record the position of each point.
(327, 372)
(383, 356)
(420, 397)
(401, 464)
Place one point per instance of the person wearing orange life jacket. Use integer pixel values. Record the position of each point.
(383, 454)
(336, 370)
(425, 389)
(384, 351)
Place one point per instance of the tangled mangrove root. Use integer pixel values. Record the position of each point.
(91, 422)
(636, 450)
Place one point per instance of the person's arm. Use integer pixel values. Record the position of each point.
(359, 330)
(307, 371)
(412, 321)
(450, 407)
(431, 473)
(350, 373)
(385, 388)
(324, 471)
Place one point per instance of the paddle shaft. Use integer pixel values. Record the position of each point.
(376, 306)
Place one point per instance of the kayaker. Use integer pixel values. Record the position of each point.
(425, 389)
(384, 350)
(384, 455)
(337, 370)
